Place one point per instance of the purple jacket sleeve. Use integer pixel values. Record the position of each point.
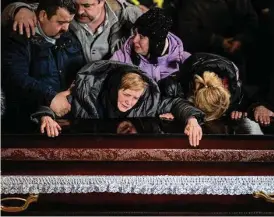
(118, 56)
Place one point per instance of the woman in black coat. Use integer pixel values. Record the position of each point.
(211, 83)
(110, 89)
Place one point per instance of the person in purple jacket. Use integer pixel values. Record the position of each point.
(153, 48)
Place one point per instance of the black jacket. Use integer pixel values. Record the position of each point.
(97, 85)
(96, 82)
(203, 24)
(198, 63)
(96, 88)
(34, 70)
(269, 102)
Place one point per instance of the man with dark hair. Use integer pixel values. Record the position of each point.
(51, 6)
(101, 26)
(39, 70)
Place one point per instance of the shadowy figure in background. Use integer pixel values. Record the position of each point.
(265, 107)
(224, 27)
(261, 57)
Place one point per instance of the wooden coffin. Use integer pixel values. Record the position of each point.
(91, 170)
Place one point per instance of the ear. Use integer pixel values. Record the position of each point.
(42, 15)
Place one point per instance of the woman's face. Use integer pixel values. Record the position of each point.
(140, 44)
(127, 99)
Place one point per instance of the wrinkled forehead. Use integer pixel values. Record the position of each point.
(81, 2)
(134, 93)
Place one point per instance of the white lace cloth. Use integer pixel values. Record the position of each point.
(176, 185)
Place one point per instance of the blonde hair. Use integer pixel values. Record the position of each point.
(210, 95)
(133, 81)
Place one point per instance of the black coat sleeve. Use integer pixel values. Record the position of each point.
(172, 101)
(42, 111)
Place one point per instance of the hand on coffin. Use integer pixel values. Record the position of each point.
(236, 115)
(194, 131)
(263, 115)
(51, 126)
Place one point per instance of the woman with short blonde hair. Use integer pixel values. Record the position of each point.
(133, 81)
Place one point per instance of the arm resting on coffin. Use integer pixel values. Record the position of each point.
(45, 116)
(173, 102)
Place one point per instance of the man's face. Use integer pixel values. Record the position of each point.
(57, 24)
(88, 10)
(140, 44)
(128, 98)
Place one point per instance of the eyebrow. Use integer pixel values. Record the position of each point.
(64, 21)
(87, 4)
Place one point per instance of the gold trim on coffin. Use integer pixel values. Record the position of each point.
(267, 197)
(31, 198)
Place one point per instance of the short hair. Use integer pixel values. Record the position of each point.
(51, 6)
(97, 0)
(133, 81)
(211, 96)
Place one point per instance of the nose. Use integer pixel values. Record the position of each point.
(136, 38)
(80, 9)
(65, 27)
(131, 101)
(127, 101)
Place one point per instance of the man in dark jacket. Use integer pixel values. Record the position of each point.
(37, 70)
(224, 27)
(265, 107)
(101, 92)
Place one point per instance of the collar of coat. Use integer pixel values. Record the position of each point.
(40, 31)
